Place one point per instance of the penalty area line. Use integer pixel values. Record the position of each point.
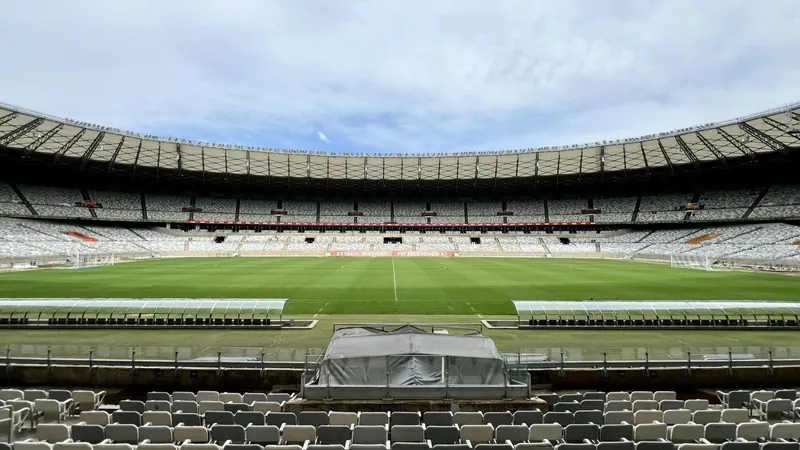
(475, 311)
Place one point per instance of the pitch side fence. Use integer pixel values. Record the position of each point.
(270, 358)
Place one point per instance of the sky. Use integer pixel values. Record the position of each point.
(403, 76)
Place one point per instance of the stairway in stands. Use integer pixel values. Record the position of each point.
(756, 202)
(24, 200)
(87, 198)
(546, 249)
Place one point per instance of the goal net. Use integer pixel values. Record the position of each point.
(85, 260)
(702, 262)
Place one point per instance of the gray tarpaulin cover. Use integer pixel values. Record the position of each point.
(410, 356)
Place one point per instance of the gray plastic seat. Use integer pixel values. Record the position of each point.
(243, 447)
(315, 418)
(452, 447)
(410, 446)
(655, 445)
(263, 434)
(405, 418)
(717, 433)
(333, 434)
(592, 404)
(156, 434)
(183, 395)
(616, 432)
(566, 407)
(577, 433)
(561, 418)
(550, 399)
(236, 407)
(574, 446)
(666, 405)
(589, 416)
(496, 419)
(622, 445)
(123, 433)
(281, 418)
(188, 419)
(438, 434)
(245, 418)
(158, 405)
(571, 398)
(233, 433)
(218, 418)
(740, 446)
(594, 396)
(156, 395)
(279, 397)
(528, 417)
(408, 433)
(369, 434)
(494, 447)
(513, 433)
(131, 405)
(325, 447)
(60, 394)
(438, 418)
(92, 434)
(127, 417)
(186, 406)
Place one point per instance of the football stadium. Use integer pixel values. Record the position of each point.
(159, 292)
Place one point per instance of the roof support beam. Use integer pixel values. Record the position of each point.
(747, 151)
(776, 125)
(116, 152)
(158, 160)
(247, 156)
(180, 158)
(75, 138)
(602, 162)
(8, 117)
(764, 138)
(225, 153)
(18, 132)
(712, 148)
(92, 147)
(203, 164)
(33, 146)
(688, 151)
(516, 170)
(136, 161)
(496, 165)
(536, 168)
(644, 157)
(666, 157)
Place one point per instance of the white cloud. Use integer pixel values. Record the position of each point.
(322, 137)
(401, 76)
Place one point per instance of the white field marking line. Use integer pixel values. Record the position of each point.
(320, 310)
(394, 280)
(475, 311)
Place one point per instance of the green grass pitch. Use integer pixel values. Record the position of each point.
(428, 286)
(337, 290)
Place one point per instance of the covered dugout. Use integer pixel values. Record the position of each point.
(648, 313)
(365, 362)
(141, 311)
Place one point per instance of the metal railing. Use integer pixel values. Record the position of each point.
(307, 358)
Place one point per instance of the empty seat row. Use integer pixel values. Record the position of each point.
(225, 397)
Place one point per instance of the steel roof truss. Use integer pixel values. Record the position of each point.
(688, 151)
(764, 138)
(180, 158)
(666, 157)
(712, 148)
(71, 142)
(644, 157)
(18, 132)
(747, 151)
(92, 147)
(33, 146)
(8, 118)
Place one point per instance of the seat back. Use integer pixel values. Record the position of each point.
(263, 434)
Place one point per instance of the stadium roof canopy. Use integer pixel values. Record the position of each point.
(33, 133)
(647, 308)
(120, 307)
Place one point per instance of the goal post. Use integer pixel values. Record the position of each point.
(702, 262)
(85, 260)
